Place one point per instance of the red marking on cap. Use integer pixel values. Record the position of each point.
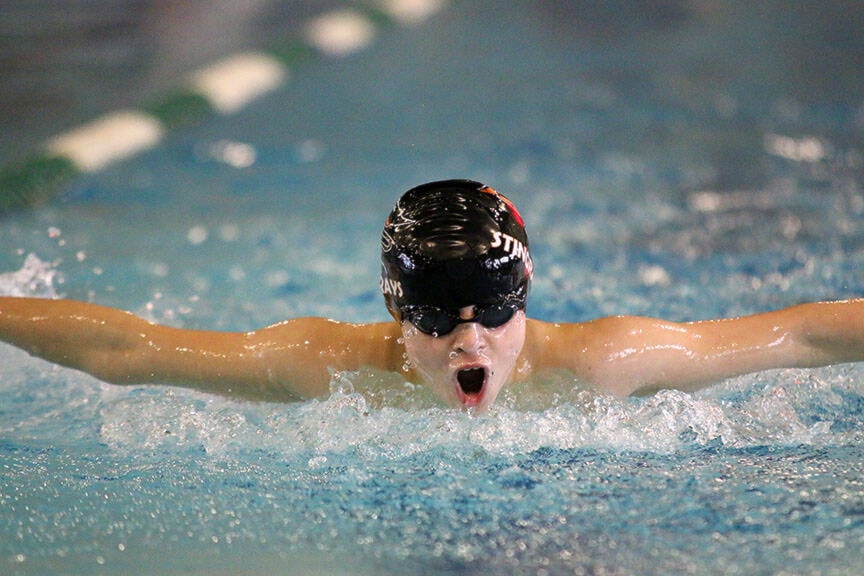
(510, 206)
(513, 210)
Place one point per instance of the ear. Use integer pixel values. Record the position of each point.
(392, 309)
(395, 315)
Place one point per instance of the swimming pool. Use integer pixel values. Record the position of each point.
(692, 162)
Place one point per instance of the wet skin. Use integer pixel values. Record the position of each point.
(469, 366)
(466, 368)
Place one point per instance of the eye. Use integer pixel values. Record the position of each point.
(432, 321)
(496, 316)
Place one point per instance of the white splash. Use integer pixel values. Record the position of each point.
(35, 278)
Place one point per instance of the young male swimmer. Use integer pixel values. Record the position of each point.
(456, 272)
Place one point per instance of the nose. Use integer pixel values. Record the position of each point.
(467, 337)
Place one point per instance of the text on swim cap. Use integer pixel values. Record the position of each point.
(392, 287)
(510, 245)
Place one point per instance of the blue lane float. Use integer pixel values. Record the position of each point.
(224, 87)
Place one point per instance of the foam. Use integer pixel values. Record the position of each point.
(348, 423)
(35, 278)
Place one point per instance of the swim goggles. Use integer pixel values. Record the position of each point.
(437, 321)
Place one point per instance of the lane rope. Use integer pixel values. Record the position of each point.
(224, 87)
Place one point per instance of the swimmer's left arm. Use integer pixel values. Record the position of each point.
(635, 355)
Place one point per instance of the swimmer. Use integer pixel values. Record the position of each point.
(456, 274)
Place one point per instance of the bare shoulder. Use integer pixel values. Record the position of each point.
(323, 333)
(552, 339)
(602, 352)
(314, 345)
(558, 345)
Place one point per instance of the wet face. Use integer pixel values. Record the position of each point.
(469, 366)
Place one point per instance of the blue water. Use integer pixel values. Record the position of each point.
(687, 162)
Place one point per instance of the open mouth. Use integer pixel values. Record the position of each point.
(471, 380)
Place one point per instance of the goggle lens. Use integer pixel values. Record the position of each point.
(438, 321)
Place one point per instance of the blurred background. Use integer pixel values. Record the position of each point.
(63, 62)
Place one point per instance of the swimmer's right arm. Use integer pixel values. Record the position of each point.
(282, 362)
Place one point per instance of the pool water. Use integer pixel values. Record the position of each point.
(685, 160)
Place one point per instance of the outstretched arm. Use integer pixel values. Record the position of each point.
(628, 355)
(279, 362)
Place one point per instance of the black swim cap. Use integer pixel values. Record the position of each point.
(452, 244)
